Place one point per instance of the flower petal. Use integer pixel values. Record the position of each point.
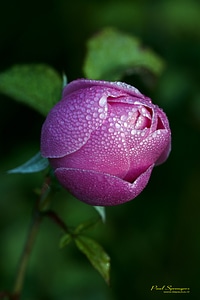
(71, 121)
(104, 152)
(101, 189)
(147, 152)
(87, 83)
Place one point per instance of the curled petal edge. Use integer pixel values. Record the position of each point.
(85, 83)
(101, 189)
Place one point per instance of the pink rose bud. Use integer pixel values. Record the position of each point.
(103, 140)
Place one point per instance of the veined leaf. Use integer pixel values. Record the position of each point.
(111, 54)
(95, 254)
(37, 85)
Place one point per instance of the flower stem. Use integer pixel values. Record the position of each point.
(23, 263)
(56, 219)
(40, 211)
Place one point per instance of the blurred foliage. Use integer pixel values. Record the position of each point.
(96, 255)
(155, 238)
(38, 86)
(126, 56)
(93, 251)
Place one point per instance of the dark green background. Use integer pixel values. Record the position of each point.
(154, 239)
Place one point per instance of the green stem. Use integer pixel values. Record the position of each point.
(56, 219)
(32, 233)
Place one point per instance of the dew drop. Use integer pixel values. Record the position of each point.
(100, 110)
(143, 110)
(95, 114)
(117, 125)
(102, 101)
(133, 131)
(105, 135)
(88, 117)
(102, 116)
(158, 131)
(134, 109)
(154, 134)
(123, 118)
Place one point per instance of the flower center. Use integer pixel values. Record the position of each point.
(139, 118)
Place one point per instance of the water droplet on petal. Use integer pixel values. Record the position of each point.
(88, 117)
(95, 114)
(123, 118)
(111, 129)
(133, 131)
(101, 116)
(103, 101)
(117, 125)
(154, 134)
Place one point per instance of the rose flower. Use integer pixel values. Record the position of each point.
(103, 140)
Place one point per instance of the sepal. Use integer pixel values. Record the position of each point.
(36, 164)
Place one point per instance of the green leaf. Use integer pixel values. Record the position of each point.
(101, 211)
(64, 80)
(95, 254)
(111, 54)
(36, 164)
(85, 226)
(38, 86)
(65, 240)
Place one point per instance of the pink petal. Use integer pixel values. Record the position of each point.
(101, 189)
(122, 87)
(105, 151)
(146, 152)
(124, 118)
(71, 121)
(164, 155)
